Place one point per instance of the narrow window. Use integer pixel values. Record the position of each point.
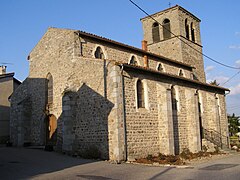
(200, 116)
(160, 67)
(99, 53)
(166, 29)
(187, 29)
(192, 32)
(181, 73)
(175, 119)
(155, 32)
(140, 94)
(174, 99)
(133, 61)
(49, 90)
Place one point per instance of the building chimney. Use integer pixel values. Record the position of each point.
(3, 69)
(144, 45)
(145, 58)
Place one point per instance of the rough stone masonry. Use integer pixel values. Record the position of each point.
(91, 96)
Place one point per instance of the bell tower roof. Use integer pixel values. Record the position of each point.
(173, 8)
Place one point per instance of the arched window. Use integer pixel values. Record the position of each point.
(200, 116)
(166, 29)
(140, 94)
(187, 29)
(174, 99)
(155, 32)
(175, 121)
(49, 90)
(99, 53)
(160, 67)
(181, 73)
(133, 61)
(192, 32)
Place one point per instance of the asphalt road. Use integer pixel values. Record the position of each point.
(22, 163)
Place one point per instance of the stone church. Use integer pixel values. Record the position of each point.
(89, 94)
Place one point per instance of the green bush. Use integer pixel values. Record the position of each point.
(186, 154)
(149, 157)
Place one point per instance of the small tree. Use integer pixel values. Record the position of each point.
(233, 124)
(215, 83)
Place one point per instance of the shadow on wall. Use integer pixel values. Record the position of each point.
(176, 133)
(85, 123)
(28, 113)
(4, 124)
(82, 127)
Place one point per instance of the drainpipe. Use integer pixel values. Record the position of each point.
(124, 116)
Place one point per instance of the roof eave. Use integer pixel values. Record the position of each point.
(174, 76)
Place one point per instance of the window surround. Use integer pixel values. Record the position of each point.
(103, 50)
(145, 88)
(130, 58)
(49, 91)
(166, 27)
(187, 34)
(158, 65)
(155, 32)
(200, 100)
(176, 96)
(181, 73)
(193, 37)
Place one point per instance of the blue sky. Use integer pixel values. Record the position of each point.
(23, 23)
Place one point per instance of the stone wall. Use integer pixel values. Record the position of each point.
(95, 105)
(177, 47)
(153, 129)
(21, 114)
(124, 55)
(6, 88)
(87, 96)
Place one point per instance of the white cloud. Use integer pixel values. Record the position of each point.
(209, 68)
(237, 33)
(220, 79)
(235, 90)
(234, 47)
(238, 63)
(209, 80)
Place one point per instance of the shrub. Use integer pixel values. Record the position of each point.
(186, 154)
(149, 157)
(204, 148)
(162, 156)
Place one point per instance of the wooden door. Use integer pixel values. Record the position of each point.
(51, 135)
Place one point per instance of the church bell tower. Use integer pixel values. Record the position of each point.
(176, 35)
